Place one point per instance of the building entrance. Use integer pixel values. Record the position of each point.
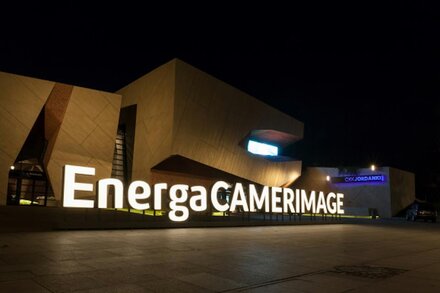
(28, 185)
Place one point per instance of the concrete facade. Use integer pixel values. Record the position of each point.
(80, 126)
(180, 112)
(387, 198)
(86, 136)
(21, 100)
(184, 111)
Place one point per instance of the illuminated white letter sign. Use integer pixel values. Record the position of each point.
(70, 186)
(184, 199)
(134, 195)
(178, 213)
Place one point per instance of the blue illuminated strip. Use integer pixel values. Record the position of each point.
(260, 148)
(359, 179)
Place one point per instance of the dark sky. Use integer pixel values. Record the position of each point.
(363, 78)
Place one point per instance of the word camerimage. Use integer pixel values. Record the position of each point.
(269, 199)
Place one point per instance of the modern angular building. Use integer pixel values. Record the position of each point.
(176, 124)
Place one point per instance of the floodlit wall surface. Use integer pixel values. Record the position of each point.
(21, 101)
(180, 111)
(212, 117)
(388, 198)
(184, 111)
(86, 136)
(402, 189)
(80, 126)
(154, 95)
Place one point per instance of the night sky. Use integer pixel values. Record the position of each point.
(364, 79)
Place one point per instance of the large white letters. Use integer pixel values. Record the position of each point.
(331, 206)
(184, 198)
(320, 206)
(256, 202)
(339, 203)
(276, 200)
(198, 202)
(214, 199)
(103, 192)
(134, 196)
(288, 197)
(308, 203)
(239, 198)
(158, 187)
(175, 199)
(70, 186)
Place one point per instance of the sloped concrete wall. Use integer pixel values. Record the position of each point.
(184, 111)
(403, 189)
(21, 101)
(86, 136)
(212, 118)
(153, 94)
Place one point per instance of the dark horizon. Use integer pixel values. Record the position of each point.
(365, 84)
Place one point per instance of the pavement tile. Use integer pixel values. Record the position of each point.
(402, 283)
(124, 288)
(24, 286)
(24, 258)
(16, 275)
(211, 282)
(274, 288)
(122, 275)
(329, 283)
(57, 268)
(172, 285)
(431, 272)
(69, 282)
(257, 259)
(243, 276)
(410, 261)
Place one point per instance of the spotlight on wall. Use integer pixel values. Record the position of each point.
(327, 178)
(12, 167)
(373, 167)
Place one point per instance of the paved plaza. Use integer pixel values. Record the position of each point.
(381, 256)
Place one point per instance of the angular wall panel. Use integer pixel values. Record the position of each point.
(55, 109)
(402, 189)
(21, 101)
(153, 94)
(212, 117)
(86, 136)
(179, 111)
(183, 111)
